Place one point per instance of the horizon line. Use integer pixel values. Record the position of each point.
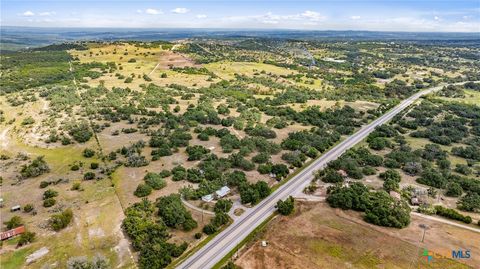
(236, 29)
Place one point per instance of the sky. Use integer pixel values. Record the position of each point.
(377, 15)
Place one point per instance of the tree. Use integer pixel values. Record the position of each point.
(384, 211)
(49, 194)
(14, 222)
(453, 189)
(60, 221)
(433, 178)
(223, 205)
(332, 176)
(378, 143)
(143, 190)
(155, 180)
(26, 238)
(390, 185)
(35, 168)
(286, 207)
(196, 152)
(470, 202)
(80, 132)
(88, 153)
(174, 214)
(280, 170)
(390, 174)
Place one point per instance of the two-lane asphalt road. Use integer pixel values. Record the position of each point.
(227, 240)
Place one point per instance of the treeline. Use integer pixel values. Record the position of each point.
(379, 207)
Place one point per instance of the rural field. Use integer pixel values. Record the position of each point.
(135, 154)
(317, 236)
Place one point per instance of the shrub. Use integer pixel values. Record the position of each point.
(155, 181)
(262, 157)
(470, 202)
(49, 202)
(453, 189)
(165, 173)
(28, 208)
(143, 190)
(88, 153)
(452, 214)
(26, 238)
(35, 168)
(49, 194)
(76, 186)
(286, 207)
(93, 165)
(14, 222)
(60, 221)
(332, 176)
(390, 174)
(89, 176)
(223, 205)
(198, 235)
(209, 229)
(80, 132)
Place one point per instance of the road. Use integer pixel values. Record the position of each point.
(227, 240)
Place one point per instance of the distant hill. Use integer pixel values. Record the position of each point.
(15, 38)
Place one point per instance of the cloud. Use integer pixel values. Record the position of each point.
(47, 13)
(139, 11)
(306, 18)
(312, 15)
(28, 13)
(355, 17)
(201, 16)
(180, 10)
(152, 11)
(436, 18)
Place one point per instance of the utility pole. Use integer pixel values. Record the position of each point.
(424, 227)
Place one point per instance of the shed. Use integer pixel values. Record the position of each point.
(222, 191)
(207, 198)
(15, 208)
(11, 233)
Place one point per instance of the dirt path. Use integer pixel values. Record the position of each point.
(196, 208)
(446, 222)
(4, 138)
(155, 68)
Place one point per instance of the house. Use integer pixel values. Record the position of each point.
(222, 191)
(15, 208)
(207, 198)
(11, 233)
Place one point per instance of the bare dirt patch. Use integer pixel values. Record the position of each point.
(318, 236)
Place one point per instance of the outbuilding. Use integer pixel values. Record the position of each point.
(11, 233)
(207, 198)
(222, 191)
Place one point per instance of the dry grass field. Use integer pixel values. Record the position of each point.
(317, 236)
